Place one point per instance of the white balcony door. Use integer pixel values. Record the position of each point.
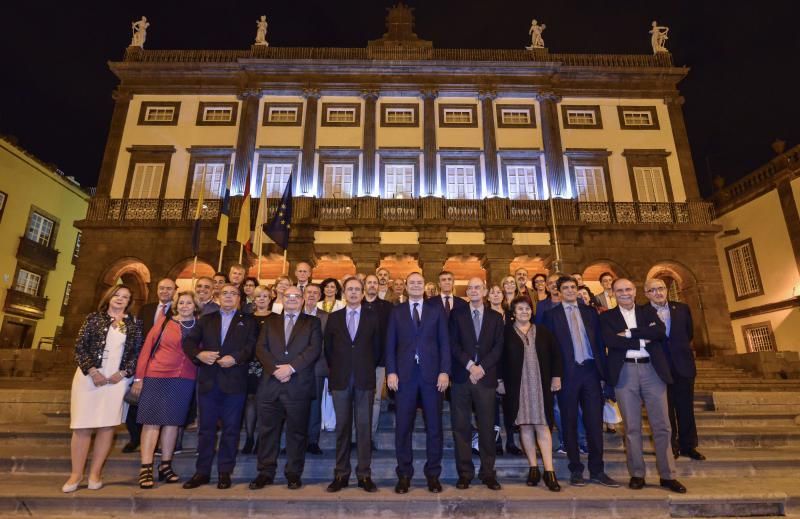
(590, 185)
(650, 184)
(208, 177)
(146, 182)
(522, 183)
(461, 182)
(337, 181)
(399, 181)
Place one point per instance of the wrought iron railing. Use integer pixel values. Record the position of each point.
(37, 254)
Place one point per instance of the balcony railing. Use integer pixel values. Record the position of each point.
(494, 210)
(21, 303)
(37, 254)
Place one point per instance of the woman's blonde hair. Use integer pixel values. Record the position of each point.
(111, 292)
(181, 293)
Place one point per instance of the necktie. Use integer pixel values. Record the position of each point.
(663, 314)
(577, 337)
(447, 306)
(417, 319)
(351, 325)
(287, 330)
(160, 312)
(476, 323)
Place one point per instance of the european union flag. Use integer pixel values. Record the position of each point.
(278, 228)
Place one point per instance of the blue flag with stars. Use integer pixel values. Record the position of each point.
(278, 228)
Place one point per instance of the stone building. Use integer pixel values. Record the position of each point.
(409, 156)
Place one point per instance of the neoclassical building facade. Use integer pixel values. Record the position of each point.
(408, 156)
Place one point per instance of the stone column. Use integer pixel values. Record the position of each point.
(370, 102)
(246, 141)
(683, 151)
(490, 142)
(432, 251)
(551, 138)
(499, 252)
(309, 140)
(122, 99)
(429, 139)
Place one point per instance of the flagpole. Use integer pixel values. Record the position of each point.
(241, 251)
(194, 271)
(219, 264)
(283, 270)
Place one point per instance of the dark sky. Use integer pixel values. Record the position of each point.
(741, 93)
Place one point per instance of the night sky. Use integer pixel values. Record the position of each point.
(741, 92)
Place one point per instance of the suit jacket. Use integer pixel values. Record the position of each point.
(431, 339)
(147, 315)
(455, 303)
(464, 344)
(321, 366)
(556, 321)
(352, 357)
(648, 327)
(238, 343)
(678, 345)
(541, 308)
(301, 352)
(602, 299)
(382, 310)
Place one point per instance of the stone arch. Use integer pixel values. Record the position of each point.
(130, 271)
(400, 265)
(337, 266)
(533, 264)
(271, 267)
(182, 271)
(591, 272)
(464, 267)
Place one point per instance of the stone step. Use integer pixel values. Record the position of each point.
(708, 497)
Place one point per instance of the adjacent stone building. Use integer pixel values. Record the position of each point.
(409, 156)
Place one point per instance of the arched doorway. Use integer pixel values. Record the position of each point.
(271, 268)
(463, 268)
(336, 266)
(130, 271)
(400, 265)
(183, 270)
(592, 272)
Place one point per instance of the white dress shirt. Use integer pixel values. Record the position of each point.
(630, 321)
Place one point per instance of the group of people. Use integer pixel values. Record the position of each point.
(548, 354)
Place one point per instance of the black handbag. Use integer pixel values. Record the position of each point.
(133, 398)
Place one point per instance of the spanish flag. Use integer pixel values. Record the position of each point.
(243, 231)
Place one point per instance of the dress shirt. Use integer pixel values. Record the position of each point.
(447, 299)
(573, 307)
(382, 293)
(419, 308)
(227, 317)
(663, 314)
(312, 312)
(472, 311)
(630, 321)
(357, 310)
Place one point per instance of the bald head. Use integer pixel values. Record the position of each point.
(476, 291)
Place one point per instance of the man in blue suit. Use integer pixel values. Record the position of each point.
(418, 367)
(577, 331)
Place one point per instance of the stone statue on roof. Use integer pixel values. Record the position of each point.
(139, 29)
(261, 31)
(536, 31)
(658, 37)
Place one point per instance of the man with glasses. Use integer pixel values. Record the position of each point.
(288, 348)
(677, 318)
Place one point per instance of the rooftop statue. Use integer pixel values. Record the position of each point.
(658, 37)
(536, 31)
(261, 31)
(139, 32)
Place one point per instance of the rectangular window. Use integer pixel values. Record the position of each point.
(275, 176)
(399, 181)
(590, 185)
(337, 181)
(159, 114)
(759, 337)
(341, 115)
(146, 182)
(219, 114)
(522, 183)
(515, 116)
(28, 282)
(457, 116)
(209, 177)
(282, 114)
(461, 182)
(650, 184)
(76, 251)
(400, 116)
(581, 118)
(40, 229)
(636, 118)
(744, 270)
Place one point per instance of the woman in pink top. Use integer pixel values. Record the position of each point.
(165, 379)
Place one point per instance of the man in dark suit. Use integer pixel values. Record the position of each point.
(476, 338)
(418, 366)
(222, 345)
(449, 301)
(639, 371)
(288, 348)
(149, 314)
(606, 298)
(577, 331)
(382, 310)
(204, 288)
(677, 319)
(352, 348)
(311, 297)
(553, 300)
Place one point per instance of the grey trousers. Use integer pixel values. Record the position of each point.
(380, 381)
(639, 383)
(353, 405)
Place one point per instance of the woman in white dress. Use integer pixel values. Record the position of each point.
(106, 351)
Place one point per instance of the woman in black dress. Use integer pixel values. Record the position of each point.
(261, 305)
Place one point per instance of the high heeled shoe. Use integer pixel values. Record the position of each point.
(551, 481)
(146, 476)
(68, 488)
(165, 472)
(95, 485)
(533, 477)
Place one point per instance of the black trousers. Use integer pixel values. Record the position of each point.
(271, 416)
(134, 429)
(462, 399)
(582, 390)
(315, 418)
(680, 398)
(348, 404)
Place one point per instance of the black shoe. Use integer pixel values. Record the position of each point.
(434, 485)
(261, 481)
(694, 455)
(636, 483)
(293, 482)
(367, 484)
(533, 477)
(576, 480)
(513, 449)
(337, 484)
(402, 485)
(463, 482)
(224, 481)
(551, 481)
(313, 448)
(492, 484)
(601, 478)
(196, 481)
(248, 446)
(676, 453)
(673, 484)
(374, 449)
(130, 447)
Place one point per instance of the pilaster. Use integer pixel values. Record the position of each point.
(368, 175)
(122, 99)
(432, 250)
(246, 140)
(309, 140)
(683, 151)
(366, 248)
(487, 98)
(551, 139)
(429, 140)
